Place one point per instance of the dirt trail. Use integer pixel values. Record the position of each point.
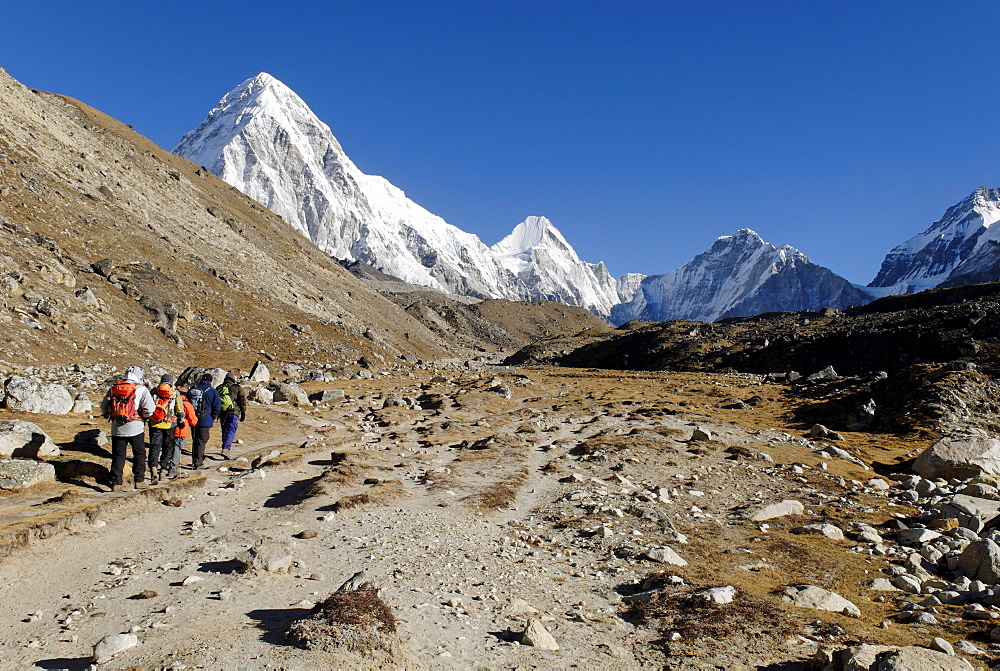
(468, 517)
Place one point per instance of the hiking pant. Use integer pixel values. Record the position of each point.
(160, 441)
(198, 443)
(230, 422)
(175, 462)
(119, 452)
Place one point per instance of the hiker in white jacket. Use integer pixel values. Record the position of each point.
(128, 404)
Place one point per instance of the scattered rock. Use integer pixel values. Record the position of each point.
(306, 533)
(327, 396)
(111, 645)
(665, 555)
(810, 596)
(29, 395)
(26, 440)
(821, 529)
(535, 634)
(981, 561)
(259, 374)
(291, 392)
(261, 395)
(266, 556)
(23, 473)
(779, 509)
(959, 457)
(701, 434)
(719, 595)
(887, 658)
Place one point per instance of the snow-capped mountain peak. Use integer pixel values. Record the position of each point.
(547, 265)
(738, 275)
(530, 233)
(264, 140)
(959, 247)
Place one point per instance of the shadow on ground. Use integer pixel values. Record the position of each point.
(274, 622)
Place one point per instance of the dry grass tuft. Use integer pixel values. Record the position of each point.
(501, 494)
(696, 618)
(357, 621)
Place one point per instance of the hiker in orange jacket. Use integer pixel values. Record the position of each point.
(171, 465)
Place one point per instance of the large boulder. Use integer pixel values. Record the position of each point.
(980, 560)
(291, 392)
(959, 457)
(886, 658)
(327, 395)
(28, 394)
(810, 596)
(22, 473)
(261, 395)
(192, 376)
(26, 440)
(259, 374)
(773, 510)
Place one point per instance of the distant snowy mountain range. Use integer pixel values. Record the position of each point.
(264, 140)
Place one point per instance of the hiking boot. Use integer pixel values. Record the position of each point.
(139, 484)
(172, 474)
(225, 455)
(113, 488)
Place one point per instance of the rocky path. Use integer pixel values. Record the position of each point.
(473, 516)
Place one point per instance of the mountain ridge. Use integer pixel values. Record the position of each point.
(264, 139)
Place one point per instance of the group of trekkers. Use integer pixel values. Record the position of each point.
(173, 413)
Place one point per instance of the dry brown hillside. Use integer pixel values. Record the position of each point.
(111, 248)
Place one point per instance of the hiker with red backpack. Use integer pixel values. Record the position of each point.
(172, 463)
(128, 404)
(169, 411)
(233, 404)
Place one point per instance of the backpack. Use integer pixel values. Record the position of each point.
(225, 393)
(164, 401)
(197, 397)
(122, 403)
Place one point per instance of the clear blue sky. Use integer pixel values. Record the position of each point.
(643, 130)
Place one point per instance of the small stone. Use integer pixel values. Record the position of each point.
(191, 579)
(719, 595)
(146, 594)
(969, 648)
(828, 530)
(917, 536)
(111, 645)
(535, 634)
(882, 585)
(225, 595)
(208, 519)
(773, 510)
(942, 645)
(306, 533)
(701, 434)
(665, 555)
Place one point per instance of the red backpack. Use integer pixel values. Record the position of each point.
(163, 411)
(122, 403)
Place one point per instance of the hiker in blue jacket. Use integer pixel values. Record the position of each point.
(207, 405)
